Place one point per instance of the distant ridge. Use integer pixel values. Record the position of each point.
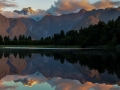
(50, 24)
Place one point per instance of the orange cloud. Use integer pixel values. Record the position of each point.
(85, 5)
(67, 84)
(73, 4)
(68, 6)
(59, 7)
(105, 4)
(58, 83)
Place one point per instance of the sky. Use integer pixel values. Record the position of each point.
(38, 4)
(55, 7)
(35, 4)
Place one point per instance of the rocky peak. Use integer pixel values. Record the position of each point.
(82, 11)
(118, 8)
(25, 11)
(49, 14)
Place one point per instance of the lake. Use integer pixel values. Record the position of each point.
(59, 69)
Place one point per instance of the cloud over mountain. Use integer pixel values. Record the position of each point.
(68, 6)
(106, 3)
(25, 12)
(59, 7)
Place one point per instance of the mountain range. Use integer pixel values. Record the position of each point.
(50, 24)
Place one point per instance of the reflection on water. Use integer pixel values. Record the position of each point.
(59, 69)
(28, 82)
(38, 82)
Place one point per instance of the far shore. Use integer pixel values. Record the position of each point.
(37, 47)
(40, 46)
(53, 47)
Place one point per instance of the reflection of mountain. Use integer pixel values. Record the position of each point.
(54, 68)
(50, 68)
(11, 65)
(27, 82)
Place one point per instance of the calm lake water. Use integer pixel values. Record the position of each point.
(55, 69)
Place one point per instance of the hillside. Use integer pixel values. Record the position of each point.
(50, 24)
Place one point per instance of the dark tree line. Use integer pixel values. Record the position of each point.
(21, 40)
(94, 35)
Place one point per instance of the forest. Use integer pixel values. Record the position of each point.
(94, 35)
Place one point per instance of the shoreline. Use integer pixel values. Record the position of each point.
(53, 47)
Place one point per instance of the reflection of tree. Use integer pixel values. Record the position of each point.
(100, 60)
(1, 54)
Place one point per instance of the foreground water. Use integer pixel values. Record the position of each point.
(55, 69)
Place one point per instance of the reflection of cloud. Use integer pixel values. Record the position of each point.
(36, 76)
(59, 83)
(8, 87)
(66, 84)
(27, 80)
(3, 87)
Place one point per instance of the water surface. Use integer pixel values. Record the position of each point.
(59, 69)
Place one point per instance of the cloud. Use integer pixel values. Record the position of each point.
(59, 7)
(68, 6)
(10, 14)
(36, 15)
(6, 3)
(106, 3)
